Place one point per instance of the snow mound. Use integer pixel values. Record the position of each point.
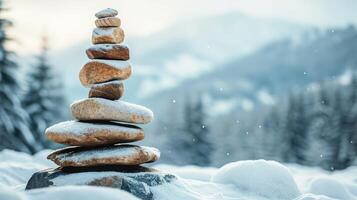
(79, 192)
(266, 178)
(330, 187)
(10, 194)
(189, 172)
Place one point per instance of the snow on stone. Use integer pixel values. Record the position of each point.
(119, 64)
(108, 12)
(87, 128)
(107, 31)
(118, 151)
(105, 47)
(266, 178)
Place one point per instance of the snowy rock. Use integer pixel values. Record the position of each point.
(111, 35)
(103, 109)
(108, 12)
(108, 155)
(108, 22)
(100, 71)
(136, 180)
(112, 90)
(266, 178)
(331, 188)
(108, 51)
(93, 134)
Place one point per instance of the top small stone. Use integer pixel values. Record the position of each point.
(108, 12)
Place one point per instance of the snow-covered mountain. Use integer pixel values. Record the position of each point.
(182, 51)
(273, 70)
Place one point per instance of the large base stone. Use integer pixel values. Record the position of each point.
(136, 180)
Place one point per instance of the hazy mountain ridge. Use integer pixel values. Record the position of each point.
(184, 50)
(272, 71)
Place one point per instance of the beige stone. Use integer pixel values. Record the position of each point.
(110, 155)
(93, 109)
(108, 22)
(110, 35)
(100, 71)
(93, 134)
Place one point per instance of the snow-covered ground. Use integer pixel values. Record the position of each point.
(253, 180)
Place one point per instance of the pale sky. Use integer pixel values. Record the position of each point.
(70, 21)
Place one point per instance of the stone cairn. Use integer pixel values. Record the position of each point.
(103, 122)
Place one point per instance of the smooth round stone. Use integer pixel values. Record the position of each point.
(109, 155)
(108, 51)
(100, 71)
(93, 134)
(108, 22)
(111, 35)
(112, 90)
(108, 12)
(102, 109)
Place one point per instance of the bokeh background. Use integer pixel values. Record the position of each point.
(227, 80)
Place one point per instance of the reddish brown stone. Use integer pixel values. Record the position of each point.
(110, 155)
(108, 51)
(108, 22)
(100, 71)
(112, 90)
(77, 133)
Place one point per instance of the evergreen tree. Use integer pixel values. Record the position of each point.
(14, 133)
(197, 141)
(273, 143)
(297, 125)
(43, 100)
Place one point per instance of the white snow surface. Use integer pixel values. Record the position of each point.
(241, 180)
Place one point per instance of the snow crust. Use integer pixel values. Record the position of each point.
(253, 180)
(105, 47)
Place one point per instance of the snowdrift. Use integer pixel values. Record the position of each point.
(254, 179)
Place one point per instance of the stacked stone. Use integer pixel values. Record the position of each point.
(103, 122)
